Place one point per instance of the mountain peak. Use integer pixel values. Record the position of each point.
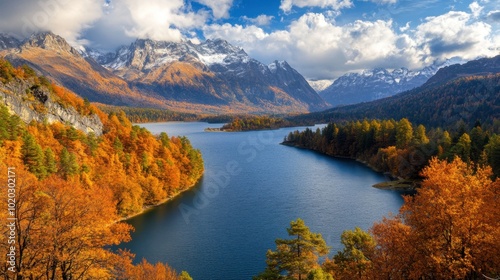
(49, 41)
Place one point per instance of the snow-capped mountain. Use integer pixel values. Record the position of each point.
(378, 83)
(213, 72)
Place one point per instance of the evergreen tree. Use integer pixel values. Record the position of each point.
(50, 161)
(33, 156)
(404, 133)
(298, 256)
(354, 260)
(493, 151)
(68, 165)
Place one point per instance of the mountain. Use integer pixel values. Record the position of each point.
(213, 72)
(213, 76)
(467, 92)
(378, 83)
(477, 67)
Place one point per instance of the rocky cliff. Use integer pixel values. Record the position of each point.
(33, 103)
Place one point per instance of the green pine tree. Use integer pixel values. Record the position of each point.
(50, 161)
(296, 257)
(33, 156)
(68, 166)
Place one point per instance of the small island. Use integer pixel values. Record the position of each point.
(251, 123)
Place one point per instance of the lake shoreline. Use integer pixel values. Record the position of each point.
(161, 202)
(395, 184)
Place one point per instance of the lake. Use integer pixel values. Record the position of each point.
(252, 188)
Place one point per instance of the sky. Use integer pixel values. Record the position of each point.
(322, 39)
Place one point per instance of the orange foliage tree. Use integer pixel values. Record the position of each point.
(448, 230)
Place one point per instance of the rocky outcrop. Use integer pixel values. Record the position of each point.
(36, 104)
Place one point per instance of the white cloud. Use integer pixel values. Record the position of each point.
(220, 8)
(286, 5)
(405, 28)
(317, 47)
(261, 20)
(108, 22)
(455, 34)
(162, 20)
(476, 9)
(63, 17)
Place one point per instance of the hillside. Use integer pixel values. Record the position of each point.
(467, 98)
(212, 77)
(95, 148)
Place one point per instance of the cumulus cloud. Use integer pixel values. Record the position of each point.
(220, 8)
(321, 49)
(476, 9)
(63, 17)
(162, 20)
(318, 47)
(108, 21)
(261, 20)
(286, 5)
(455, 34)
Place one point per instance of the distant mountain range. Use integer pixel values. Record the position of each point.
(378, 83)
(213, 76)
(469, 92)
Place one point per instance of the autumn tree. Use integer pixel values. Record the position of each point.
(295, 257)
(420, 137)
(448, 230)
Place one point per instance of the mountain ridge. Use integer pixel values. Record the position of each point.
(213, 76)
(377, 83)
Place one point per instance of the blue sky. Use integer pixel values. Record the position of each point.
(322, 39)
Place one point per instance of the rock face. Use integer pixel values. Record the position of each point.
(37, 105)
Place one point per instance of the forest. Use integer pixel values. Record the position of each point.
(72, 189)
(399, 147)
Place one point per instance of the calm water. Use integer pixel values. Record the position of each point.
(253, 187)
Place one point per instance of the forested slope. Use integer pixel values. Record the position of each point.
(72, 187)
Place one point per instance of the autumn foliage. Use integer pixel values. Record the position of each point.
(73, 188)
(449, 230)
